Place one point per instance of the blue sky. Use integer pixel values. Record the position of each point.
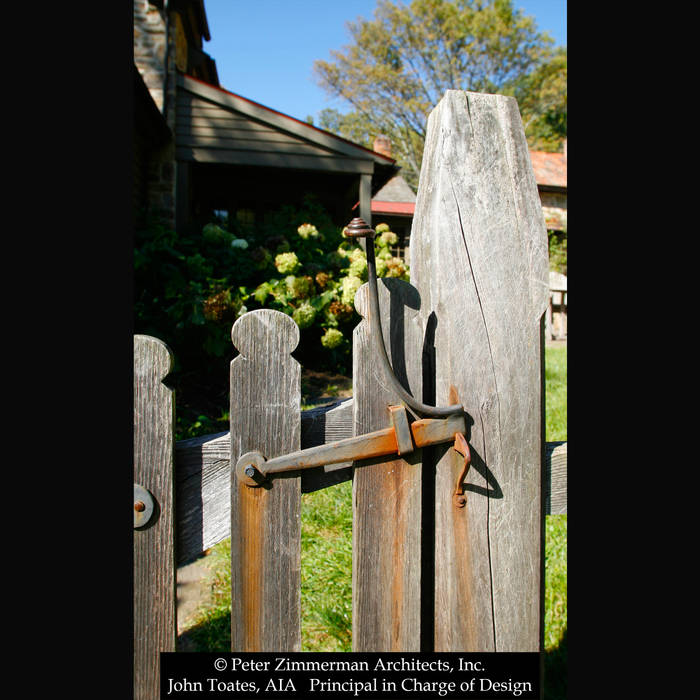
(265, 50)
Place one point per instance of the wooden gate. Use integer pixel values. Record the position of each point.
(427, 575)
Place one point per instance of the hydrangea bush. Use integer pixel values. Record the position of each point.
(314, 278)
(191, 288)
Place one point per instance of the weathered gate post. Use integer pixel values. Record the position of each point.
(266, 521)
(479, 261)
(155, 627)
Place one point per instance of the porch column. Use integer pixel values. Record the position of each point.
(366, 197)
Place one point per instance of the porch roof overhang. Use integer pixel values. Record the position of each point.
(214, 125)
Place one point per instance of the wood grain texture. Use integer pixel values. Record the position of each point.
(155, 624)
(203, 466)
(203, 494)
(386, 492)
(479, 261)
(555, 478)
(265, 522)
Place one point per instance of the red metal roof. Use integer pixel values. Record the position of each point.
(550, 168)
(401, 208)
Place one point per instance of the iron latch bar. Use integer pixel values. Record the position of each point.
(253, 469)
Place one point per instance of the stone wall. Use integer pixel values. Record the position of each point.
(154, 41)
(554, 209)
(150, 47)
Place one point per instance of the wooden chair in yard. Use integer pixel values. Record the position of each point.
(557, 309)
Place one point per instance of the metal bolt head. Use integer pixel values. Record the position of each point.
(144, 506)
(250, 471)
(460, 501)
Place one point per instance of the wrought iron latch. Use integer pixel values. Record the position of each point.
(447, 423)
(403, 437)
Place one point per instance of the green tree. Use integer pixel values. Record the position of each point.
(352, 126)
(542, 102)
(401, 62)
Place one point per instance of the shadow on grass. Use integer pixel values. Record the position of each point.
(555, 671)
(214, 634)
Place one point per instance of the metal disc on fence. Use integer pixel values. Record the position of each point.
(143, 506)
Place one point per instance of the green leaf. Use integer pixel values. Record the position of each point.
(322, 300)
(262, 292)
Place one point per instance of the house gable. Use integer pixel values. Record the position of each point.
(216, 126)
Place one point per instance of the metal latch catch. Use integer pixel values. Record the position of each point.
(462, 447)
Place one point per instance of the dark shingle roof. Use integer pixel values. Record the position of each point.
(396, 190)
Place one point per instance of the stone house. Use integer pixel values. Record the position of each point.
(201, 149)
(550, 175)
(168, 37)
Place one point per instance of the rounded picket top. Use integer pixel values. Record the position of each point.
(152, 355)
(264, 332)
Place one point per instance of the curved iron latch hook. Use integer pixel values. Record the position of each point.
(358, 228)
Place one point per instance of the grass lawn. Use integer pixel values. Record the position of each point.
(326, 564)
(555, 598)
(555, 393)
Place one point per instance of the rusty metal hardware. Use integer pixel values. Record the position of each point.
(253, 469)
(462, 447)
(358, 228)
(144, 505)
(448, 423)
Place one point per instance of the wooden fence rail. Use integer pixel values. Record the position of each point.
(428, 573)
(202, 477)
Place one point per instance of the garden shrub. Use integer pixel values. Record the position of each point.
(557, 251)
(191, 287)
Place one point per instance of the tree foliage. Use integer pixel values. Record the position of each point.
(542, 102)
(352, 126)
(400, 64)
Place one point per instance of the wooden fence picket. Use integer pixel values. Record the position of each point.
(386, 490)
(265, 521)
(155, 625)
